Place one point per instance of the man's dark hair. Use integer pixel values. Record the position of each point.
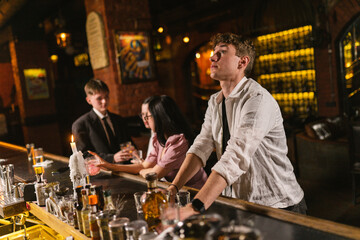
(168, 119)
(244, 47)
(95, 86)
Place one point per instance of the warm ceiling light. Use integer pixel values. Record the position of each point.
(160, 30)
(186, 39)
(63, 39)
(197, 55)
(54, 58)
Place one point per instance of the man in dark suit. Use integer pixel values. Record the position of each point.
(100, 130)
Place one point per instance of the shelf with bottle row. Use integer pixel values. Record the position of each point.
(285, 61)
(301, 104)
(289, 82)
(285, 67)
(288, 40)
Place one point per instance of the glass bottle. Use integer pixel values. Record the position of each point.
(78, 207)
(152, 201)
(99, 193)
(76, 222)
(85, 212)
(109, 205)
(94, 229)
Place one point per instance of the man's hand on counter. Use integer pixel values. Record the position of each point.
(187, 211)
(122, 156)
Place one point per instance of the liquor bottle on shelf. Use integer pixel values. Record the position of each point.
(273, 83)
(286, 103)
(300, 103)
(85, 212)
(295, 110)
(271, 46)
(292, 63)
(109, 205)
(309, 58)
(97, 190)
(94, 228)
(280, 86)
(292, 87)
(152, 201)
(281, 44)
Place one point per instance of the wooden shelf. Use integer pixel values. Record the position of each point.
(49, 219)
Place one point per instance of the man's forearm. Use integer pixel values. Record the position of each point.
(213, 187)
(188, 169)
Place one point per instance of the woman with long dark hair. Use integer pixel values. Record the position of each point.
(173, 137)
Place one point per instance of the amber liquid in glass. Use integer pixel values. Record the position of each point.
(38, 170)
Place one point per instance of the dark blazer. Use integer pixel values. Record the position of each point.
(90, 135)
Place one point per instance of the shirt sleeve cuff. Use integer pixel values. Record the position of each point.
(219, 168)
(198, 153)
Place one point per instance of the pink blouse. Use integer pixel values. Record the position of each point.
(174, 154)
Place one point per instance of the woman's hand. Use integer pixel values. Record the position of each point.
(99, 161)
(145, 171)
(172, 192)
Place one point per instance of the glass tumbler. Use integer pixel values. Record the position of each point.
(117, 228)
(183, 198)
(90, 164)
(135, 228)
(169, 214)
(30, 151)
(103, 218)
(139, 199)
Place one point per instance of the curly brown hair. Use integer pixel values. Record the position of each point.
(244, 47)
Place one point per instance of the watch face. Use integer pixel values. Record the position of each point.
(198, 205)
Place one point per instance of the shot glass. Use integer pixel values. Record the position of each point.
(183, 198)
(117, 228)
(30, 151)
(91, 168)
(38, 155)
(139, 199)
(169, 214)
(137, 157)
(135, 228)
(127, 148)
(103, 218)
(148, 236)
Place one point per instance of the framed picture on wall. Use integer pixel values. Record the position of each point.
(133, 52)
(36, 83)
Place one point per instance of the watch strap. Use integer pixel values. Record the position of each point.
(198, 205)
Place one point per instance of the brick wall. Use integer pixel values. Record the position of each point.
(123, 15)
(172, 78)
(327, 64)
(6, 83)
(38, 116)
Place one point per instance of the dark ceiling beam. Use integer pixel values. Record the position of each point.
(189, 15)
(8, 9)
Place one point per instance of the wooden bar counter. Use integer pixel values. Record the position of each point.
(272, 223)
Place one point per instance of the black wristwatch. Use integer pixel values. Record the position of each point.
(198, 205)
